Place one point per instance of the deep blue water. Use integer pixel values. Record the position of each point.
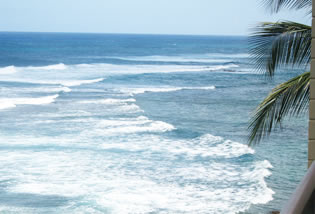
(109, 123)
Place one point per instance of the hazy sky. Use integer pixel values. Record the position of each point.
(220, 17)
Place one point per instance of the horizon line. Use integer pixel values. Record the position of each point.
(158, 34)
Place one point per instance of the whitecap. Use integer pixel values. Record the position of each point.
(80, 82)
(141, 90)
(66, 83)
(180, 58)
(222, 67)
(116, 105)
(65, 89)
(125, 126)
(59, 66)
(131, 108)
(55, 89)
(124, 122)
(135, 127)
(225, 55)
(212, 87)
(133, 91)
(8, 70)
(108, 101)
(112, 69)
(210, 146)
(12, 102)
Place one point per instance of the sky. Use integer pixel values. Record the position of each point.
(200, 17)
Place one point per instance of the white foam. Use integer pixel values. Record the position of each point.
(133, 108)
(50, 74)
(136, 182)
(109, 101)
(221, 67)
(223, 55)
(36, 89)
(12, 102)
(125, 126)
(111, 69)
(141, 90)
(6, 104)
(66, 89)
(137, 173)
(8, 70)
(116, 105)
(59, 66)
(210, 146)
(66, 83)
(182, 58)
(54, 89)
(80, 82)
(206, 146)
(124, 122)
(200, 88)
(85, 65)
(133, 91)
(136, 127)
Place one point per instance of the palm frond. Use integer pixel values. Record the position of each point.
(289, 98)
(278, 44)
(276, 5)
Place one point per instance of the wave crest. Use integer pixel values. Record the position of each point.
(109, 101)
(81, 82)
(133, 91)
(8, 70)
(12, 102)
(59, 66)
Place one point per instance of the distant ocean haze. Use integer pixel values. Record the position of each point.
(109, 123)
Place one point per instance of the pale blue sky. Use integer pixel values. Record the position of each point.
(218, 17)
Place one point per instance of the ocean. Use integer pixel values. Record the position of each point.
(118, 123)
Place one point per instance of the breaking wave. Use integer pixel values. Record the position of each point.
(186, 59)
(133, 91)
(12, 102)
(8, 70)
(109, 101)
(80, 82)
(59, 66)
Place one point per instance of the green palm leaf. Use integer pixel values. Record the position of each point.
(276, 5)
(279, 44)
(289, 98)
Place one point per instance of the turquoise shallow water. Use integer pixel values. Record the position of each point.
(94, 123)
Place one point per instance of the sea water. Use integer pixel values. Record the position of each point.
(106, 123)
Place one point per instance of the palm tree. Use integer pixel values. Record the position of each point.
(274, 46)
